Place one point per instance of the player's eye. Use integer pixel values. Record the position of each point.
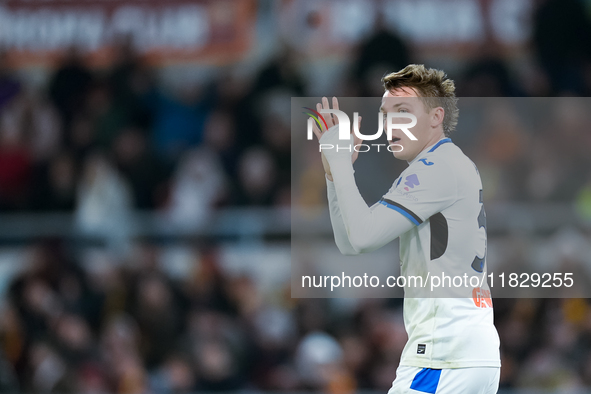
(402, 110)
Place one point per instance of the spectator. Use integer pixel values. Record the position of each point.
(179, 119)
(15, 165)
(10, 87)
(143, 170)
(382, 52)
(104, 201)
(562, 38)
(55, 184)
(69, 85)
(198, 186)
(256, 178)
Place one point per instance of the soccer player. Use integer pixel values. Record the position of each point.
(435, 207)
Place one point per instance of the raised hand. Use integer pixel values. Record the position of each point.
(332, 120)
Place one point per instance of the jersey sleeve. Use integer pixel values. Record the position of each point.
(367, 228)
(422, 191)
(340, 232)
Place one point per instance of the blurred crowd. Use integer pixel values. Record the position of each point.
(129, 326)
(104, 143)
(98, 141)
(110, 140)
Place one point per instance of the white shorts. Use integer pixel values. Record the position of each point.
(413, 380)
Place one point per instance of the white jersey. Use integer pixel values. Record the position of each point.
(436, 209)
(441, 193)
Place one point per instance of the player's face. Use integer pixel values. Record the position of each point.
(426, 130)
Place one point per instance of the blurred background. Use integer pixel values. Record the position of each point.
(145, 188)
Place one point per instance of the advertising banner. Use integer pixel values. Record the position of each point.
(165, 32)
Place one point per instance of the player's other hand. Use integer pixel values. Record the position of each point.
(332, 120)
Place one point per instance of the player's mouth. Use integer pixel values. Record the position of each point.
(394, 140)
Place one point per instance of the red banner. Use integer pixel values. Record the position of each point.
(165, 32)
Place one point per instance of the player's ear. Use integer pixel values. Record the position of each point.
(437, 115)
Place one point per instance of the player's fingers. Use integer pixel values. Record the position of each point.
(329, 120)
(316, 130)
(335, 105)
(318, 109)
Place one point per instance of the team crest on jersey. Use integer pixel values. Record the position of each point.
(411, 181)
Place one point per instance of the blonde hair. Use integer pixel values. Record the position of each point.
(432, 86)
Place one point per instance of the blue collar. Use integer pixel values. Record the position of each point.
(441, 142)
